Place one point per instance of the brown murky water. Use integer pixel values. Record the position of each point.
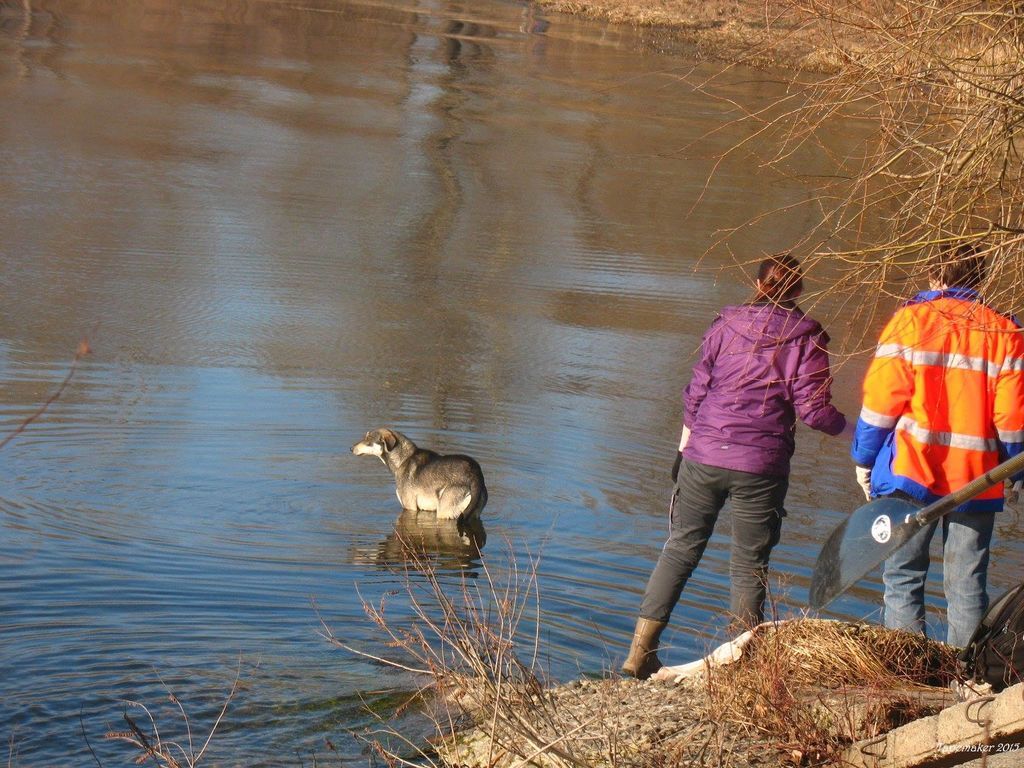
(284, 224)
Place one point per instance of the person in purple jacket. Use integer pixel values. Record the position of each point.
(762, 365)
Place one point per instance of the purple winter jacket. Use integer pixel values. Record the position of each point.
(761, 366)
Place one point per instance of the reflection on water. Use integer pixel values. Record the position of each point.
(291, 221)
(420, 538)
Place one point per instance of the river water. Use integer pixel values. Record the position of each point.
(281, 225)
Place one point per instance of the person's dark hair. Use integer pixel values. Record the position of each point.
(962, 267)
(780, 279)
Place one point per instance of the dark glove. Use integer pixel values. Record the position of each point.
(675, 466)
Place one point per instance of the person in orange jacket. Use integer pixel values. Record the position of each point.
(943, 404)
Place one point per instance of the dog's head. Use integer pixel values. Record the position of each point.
(376, 442)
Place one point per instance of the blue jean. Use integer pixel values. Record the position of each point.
(700, 494)
(966, 538)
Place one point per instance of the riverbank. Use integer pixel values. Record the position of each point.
(761, 34)
(796, 693)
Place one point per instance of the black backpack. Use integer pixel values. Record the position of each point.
(995, 652)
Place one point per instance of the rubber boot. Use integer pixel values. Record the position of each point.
(642, 661)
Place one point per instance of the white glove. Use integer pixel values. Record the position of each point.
(864, 481)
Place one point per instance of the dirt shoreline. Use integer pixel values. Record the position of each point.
(752, 33)
(800, 693)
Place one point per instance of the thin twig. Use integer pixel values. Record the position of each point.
(82, 350)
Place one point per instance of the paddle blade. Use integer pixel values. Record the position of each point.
(859, 544)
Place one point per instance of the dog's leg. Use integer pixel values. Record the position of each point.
(453, 502)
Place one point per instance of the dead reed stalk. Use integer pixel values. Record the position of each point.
(929, 97)
(151, 745)
(476, 646)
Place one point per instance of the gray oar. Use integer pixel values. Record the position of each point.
(880, 527)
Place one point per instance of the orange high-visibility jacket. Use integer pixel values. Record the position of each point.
(943, 399)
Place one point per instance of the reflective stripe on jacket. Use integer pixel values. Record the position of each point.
(943, 399)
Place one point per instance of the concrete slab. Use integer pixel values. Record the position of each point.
(997, 760)
(991, 727)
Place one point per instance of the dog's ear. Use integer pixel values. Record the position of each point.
(390, 441)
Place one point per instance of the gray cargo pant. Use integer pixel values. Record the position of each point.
(757, 511)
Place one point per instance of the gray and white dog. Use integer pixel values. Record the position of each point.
(452, 485)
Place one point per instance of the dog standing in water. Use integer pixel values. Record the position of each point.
(452, 486)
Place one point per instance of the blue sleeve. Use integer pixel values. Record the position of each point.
(867, 443)
(1008, 450)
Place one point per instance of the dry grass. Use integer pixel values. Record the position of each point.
(832, 654)
(667, 13)
(801, 692)
(150, 745)
(749, 31)
(466, 647)
(809, 687)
